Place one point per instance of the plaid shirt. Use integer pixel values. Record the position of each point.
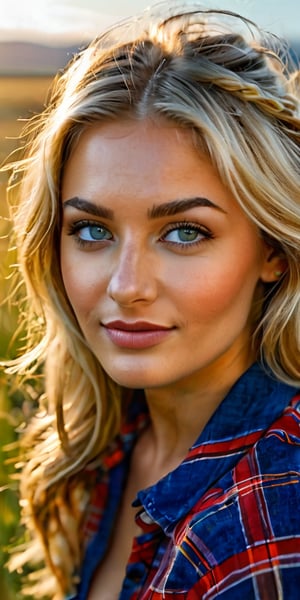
(225, 524)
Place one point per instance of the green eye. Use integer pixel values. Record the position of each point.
(94, 233)
(187, 235)
(182, 235)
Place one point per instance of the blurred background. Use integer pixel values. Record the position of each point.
(37, 38)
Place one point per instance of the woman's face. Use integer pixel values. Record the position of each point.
(159, 262)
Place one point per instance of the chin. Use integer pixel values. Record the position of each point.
(135, 379)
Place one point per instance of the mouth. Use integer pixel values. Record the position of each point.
(137, 335)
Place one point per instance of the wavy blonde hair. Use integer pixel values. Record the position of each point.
(218, 75)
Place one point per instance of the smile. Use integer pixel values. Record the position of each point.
(136, 336)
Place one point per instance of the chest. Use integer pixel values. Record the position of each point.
(131, 546)
(110, 573)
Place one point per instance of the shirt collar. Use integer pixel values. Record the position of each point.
(251, 406)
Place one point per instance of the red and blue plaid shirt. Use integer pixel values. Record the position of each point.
(226, 523)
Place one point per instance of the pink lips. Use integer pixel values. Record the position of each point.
(135, 336)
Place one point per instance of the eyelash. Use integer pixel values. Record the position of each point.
(192, 226)
(74, 228)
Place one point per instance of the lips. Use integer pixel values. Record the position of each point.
(137, 326)
(137, 335)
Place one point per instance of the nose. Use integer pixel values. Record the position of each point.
(133, 277)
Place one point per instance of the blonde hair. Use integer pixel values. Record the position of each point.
(218, 75)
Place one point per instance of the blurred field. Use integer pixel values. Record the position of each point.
(20, 98)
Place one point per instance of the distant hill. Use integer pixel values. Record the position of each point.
(24, 58)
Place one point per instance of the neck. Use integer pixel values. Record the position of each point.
(180, 412)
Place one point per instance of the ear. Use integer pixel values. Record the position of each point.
(274, 265)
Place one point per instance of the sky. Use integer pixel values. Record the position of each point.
(70, 21)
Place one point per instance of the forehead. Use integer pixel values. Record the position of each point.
(162, 144)
(127, 131)
(133, 166)
(134, 150)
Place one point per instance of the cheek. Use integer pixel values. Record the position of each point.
(218, 291)
(80, 285)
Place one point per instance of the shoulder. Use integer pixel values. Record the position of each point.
(247, 526)
(279, 446)
(267, 478)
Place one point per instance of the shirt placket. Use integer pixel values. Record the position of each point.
(144, 559)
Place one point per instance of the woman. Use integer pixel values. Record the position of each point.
(158, 233)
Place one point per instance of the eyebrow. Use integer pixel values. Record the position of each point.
(89, 207)
(166, 209)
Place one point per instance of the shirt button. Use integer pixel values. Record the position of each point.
(145, 518)
(136, 573)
